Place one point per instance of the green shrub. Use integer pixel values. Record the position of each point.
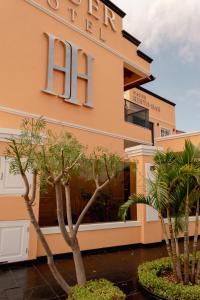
(97, 290)
(148, 274)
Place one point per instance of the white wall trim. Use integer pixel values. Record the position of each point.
(94, 227)
(13, 223)
(143, 150)
(191, 219)
(6, 133)
(70, 125)
(178, 136)
(89, 37)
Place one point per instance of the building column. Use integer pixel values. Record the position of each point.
(142, 156)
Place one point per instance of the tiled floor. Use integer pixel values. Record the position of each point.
(35, 282)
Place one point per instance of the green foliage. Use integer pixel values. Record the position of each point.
(24, 147)
(102, 164)
(97, 290)
(149, 277)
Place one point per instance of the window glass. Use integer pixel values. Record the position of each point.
(106, 206)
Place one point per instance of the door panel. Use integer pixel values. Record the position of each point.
(10, 184)
(14, 241)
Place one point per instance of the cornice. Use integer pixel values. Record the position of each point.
(142, 150)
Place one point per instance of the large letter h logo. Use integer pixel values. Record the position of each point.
(70, 71)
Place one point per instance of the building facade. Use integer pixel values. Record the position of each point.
(71, 62)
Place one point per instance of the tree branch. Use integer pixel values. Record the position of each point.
(88, 205)
(68, 209)
(61, 222)
(34, 187)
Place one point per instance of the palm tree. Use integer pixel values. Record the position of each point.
(189, 171)
(174, 190)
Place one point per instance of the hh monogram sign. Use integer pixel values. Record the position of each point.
(69, 70)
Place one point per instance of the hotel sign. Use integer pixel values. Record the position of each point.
(69, 70)
(94, 18)
(141, 99)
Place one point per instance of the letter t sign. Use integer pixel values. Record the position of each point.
(70, 71)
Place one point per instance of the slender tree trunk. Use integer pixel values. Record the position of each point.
(56, 274)
(78, 261)
(197, 272)
(178, 260)
(186, 243)
(195, 243)
(173, 245)
(60, 215)
(169, 250)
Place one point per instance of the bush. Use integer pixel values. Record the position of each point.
(97, 290)
(149, 278)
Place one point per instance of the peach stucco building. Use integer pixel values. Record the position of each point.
(71, 62)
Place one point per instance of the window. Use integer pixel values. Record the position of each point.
(106, 206)
(136, 114)
(165, 132)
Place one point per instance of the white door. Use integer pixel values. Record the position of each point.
(151, 213)
(14, 236)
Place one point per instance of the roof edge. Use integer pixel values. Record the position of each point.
(136, 84)
(130, 38)
(114, 7)
(155, 95)
(144, 56)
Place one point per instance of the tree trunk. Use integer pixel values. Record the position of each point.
(197, 271)
(58, 277)
(60, 215)
(78, 261)
(186, 243)
(195, 242)
(169, 250)
(173, 246)
(178, 260)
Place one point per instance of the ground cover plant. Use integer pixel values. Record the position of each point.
(97, 290)
(153, 276)
(174, 192)
(53, 159)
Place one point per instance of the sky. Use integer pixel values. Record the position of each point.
(170, 33)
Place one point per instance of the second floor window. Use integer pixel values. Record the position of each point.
(165, 132)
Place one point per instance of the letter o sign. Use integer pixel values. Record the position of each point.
(54, 4)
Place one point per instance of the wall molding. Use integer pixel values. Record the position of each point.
(94, 227)
(6, 133)
(142, 150)
(70, 125)
(89, 37)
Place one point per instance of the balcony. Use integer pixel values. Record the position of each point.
(138, 115)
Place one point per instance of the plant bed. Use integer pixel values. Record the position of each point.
(101, 289)
(152, 277)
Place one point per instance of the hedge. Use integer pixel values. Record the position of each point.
(97, 289)
(148, 275)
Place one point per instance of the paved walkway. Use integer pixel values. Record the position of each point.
(33, 281)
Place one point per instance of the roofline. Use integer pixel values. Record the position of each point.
(179, 135)
(144, 56)
(136, 84)
(114, 7)
(155, 95)
(130, 38)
